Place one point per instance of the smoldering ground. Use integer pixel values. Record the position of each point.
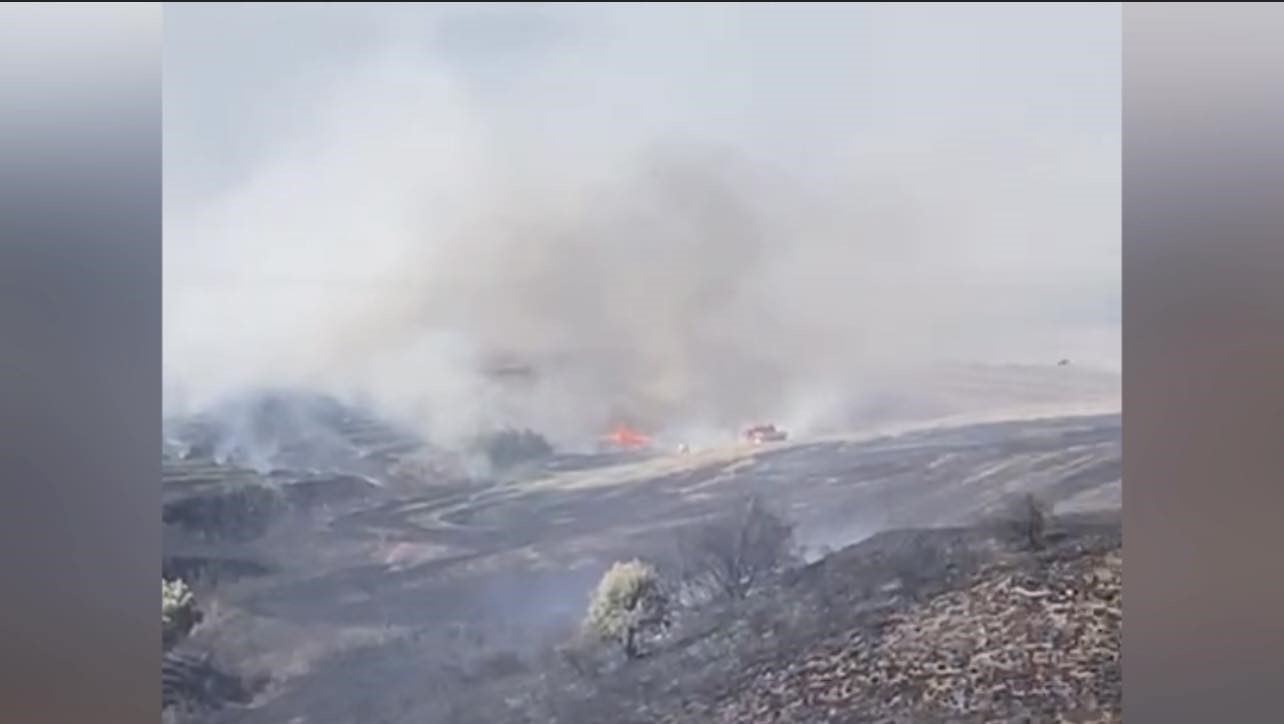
(687, 218)
(630, 203)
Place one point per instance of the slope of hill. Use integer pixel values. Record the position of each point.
(443, 603)
(945, 625)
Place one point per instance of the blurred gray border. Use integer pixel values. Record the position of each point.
(80, 229)
(1204, 335)
(1203, 311)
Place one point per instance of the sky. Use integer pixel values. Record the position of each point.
(677, 198)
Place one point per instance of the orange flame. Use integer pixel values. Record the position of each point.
(625, 436)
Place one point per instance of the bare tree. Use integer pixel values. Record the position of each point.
(1024, 519)
(731, 553)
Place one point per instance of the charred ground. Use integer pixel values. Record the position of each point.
(382, 587)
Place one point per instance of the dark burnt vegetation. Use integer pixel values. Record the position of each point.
(727, 658)
(445, 602)
(508, 448)
(733, 552)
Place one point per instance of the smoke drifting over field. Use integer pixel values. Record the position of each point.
(685, 218)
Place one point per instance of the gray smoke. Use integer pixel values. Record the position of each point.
(656, 224)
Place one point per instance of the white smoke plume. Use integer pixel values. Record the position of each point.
(679, 218)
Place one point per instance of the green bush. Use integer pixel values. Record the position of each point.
(629, 603)
(178, 611)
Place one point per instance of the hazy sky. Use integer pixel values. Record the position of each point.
(781, 80)
(962, 158)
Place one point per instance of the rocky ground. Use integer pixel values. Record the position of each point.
(1036, 643)
(946, 625)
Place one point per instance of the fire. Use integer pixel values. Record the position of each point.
(625, 436)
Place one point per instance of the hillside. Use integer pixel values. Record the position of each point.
(908, 626)
(342, 595)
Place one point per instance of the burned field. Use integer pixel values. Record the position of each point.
(382, 587)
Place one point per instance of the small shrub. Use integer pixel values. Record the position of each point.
(507, 448)
(732, 553)
(178, 611)
(1023, 520)
(629, 603)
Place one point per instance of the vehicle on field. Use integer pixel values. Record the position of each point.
(759, 434)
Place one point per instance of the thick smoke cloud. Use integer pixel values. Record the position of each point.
(659, 221)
